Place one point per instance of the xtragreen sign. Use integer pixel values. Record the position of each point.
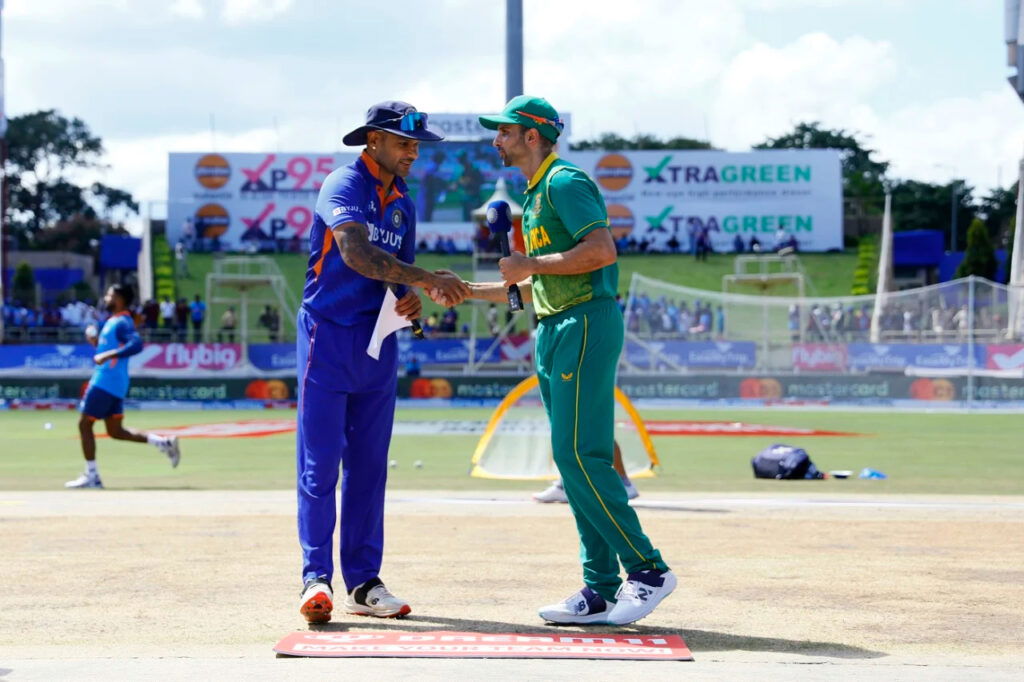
(677, 197)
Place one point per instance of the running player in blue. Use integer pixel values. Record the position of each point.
(104, 397)
(363, 238)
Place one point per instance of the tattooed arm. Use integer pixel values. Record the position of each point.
(370, 261)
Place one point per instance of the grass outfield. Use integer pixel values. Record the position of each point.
(942, 453)
(830, 273)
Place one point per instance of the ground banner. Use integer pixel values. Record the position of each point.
(818, 388)
(901, 356)
(655, 196)
(155, 358)
(703, 354)
(484, 645)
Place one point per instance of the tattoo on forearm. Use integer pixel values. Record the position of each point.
(368, 260)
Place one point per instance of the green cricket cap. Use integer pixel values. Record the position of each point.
(530, 112)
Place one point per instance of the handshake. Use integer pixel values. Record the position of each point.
(447, 289)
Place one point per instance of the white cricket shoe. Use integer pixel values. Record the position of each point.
(631, 492)
(86, 480)
(584, 607)
(639, 595)
(372, 598)
(317, 601)
(173, 451)
(553, 493)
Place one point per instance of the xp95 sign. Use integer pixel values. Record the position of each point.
(241, 198)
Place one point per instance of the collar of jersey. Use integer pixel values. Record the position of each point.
(398, 187)
(539, 175)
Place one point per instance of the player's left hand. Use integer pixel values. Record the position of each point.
(515, 268)
(409, 306)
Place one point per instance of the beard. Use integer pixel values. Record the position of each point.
(109, 306)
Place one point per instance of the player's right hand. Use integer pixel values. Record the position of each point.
(447, 289)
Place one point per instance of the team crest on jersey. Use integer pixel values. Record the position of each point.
(536, 204)
(396, 219)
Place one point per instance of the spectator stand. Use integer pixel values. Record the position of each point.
(244, 281)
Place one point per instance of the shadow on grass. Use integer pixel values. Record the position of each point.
(699, 641)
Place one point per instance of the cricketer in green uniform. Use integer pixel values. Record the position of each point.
(571, 275)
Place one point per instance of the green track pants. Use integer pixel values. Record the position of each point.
(577, 354)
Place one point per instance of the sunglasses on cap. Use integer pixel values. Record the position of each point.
(414, 120)
(557, 123)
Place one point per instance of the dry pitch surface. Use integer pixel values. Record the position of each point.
(200, 584)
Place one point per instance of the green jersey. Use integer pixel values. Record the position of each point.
(563, 205)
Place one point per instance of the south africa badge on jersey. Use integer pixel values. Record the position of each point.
(536, 205)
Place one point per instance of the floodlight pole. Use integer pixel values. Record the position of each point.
(513, 48)
(1013, 25)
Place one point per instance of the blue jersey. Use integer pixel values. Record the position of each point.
(118, 333)
(355, 194)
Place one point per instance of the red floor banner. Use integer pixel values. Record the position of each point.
(484, 645)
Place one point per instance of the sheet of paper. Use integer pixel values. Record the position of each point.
(388, 322)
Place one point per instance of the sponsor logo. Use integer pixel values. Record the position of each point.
(336, 212)
(664, 172)
(613, 172)
(721, 355)
(386, 238)
(482, 645)
(212, 171)
(430, 388)
(620, 220)
(819, 357)
(1005, 357)
(731, 224)
(763, 388)
(933, 389)
(272, 389)
(567, 377)
(212, 220)
(211, 356)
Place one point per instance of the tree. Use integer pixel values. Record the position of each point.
(44, 152)
(1011, 231)
(863, 175)
(998, 208)
(24, 285)
(78, 234)
(614, 142)
(924, 206)
(980, 257)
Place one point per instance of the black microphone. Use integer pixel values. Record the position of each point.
(417, 329)
(499, 222)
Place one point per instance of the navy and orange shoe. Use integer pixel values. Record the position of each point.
(372, 598)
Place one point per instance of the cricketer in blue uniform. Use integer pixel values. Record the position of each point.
(363, 238)
(104, 396)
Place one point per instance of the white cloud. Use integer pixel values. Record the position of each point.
(245, 11)
(190, 9)
(977, 138)
(766, 90)
(58, 9)
(671, 67)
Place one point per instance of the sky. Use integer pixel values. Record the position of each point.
(923, 82)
